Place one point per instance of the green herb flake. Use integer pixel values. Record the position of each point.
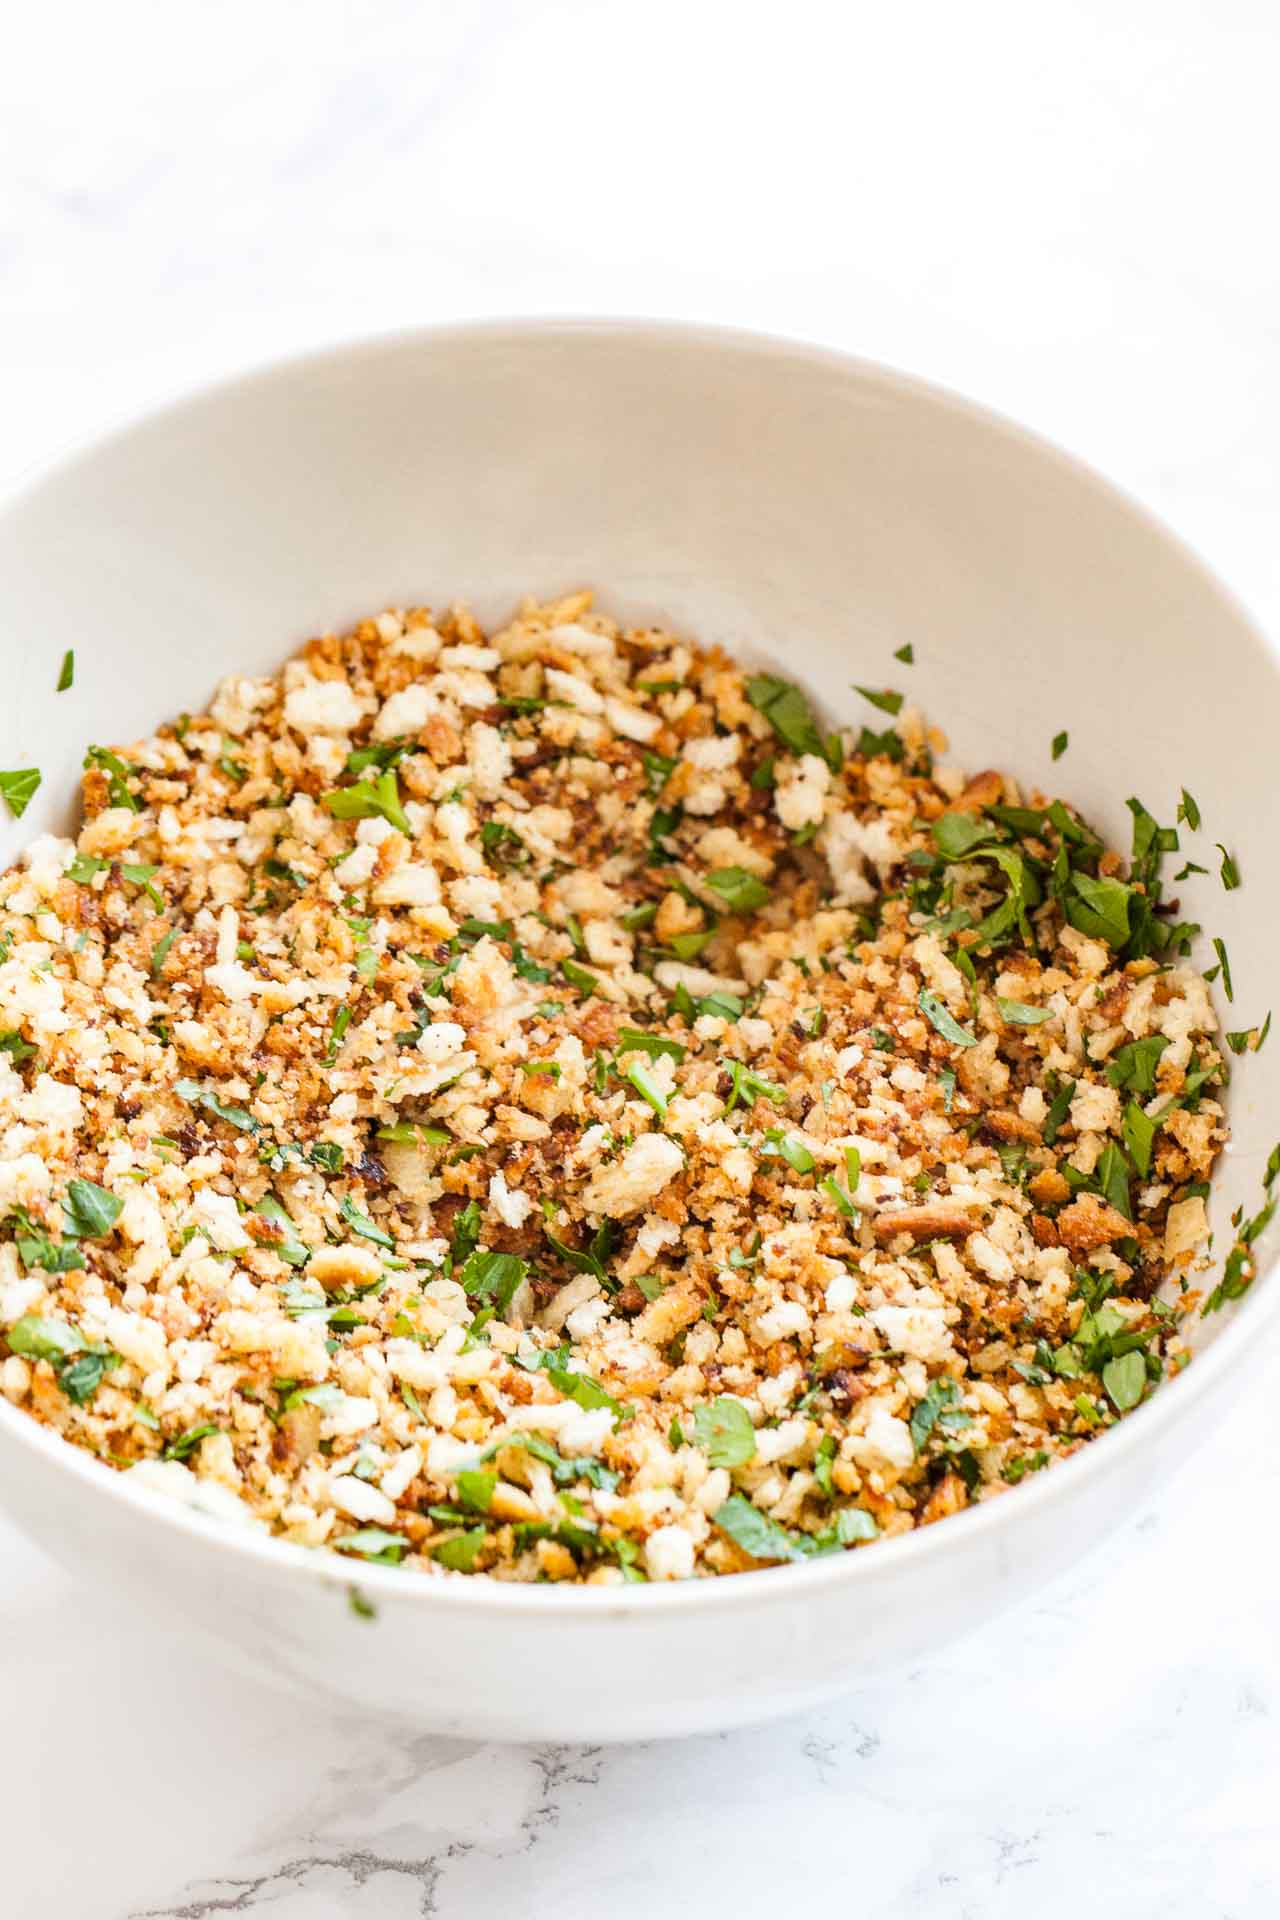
(754, 1531)
(748, 1087)
(160, 951)
(724, 1432)
(374, 1544)
(198, 1096)
(741, 891)
(67, 671)
(1229, 872)
(341, 1021)
(637, 1040)
(647, 1087)
(89, 1211)
(1018, 1014)
(495, 1277)
(367, 798)
(942, 1021)
(886, 700)
(790, 716)
(1125, 1380)
(1189, 811)
(17, 787)
(186, 1443)
(1061, 741)
(906, 654)
(938, 1408)
(361, 1223)
(789, 1147)
(118, 773)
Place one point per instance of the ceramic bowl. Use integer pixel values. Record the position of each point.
(810, 512)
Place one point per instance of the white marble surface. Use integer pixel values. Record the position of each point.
(1069, 213)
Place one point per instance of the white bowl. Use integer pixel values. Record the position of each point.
(808, 511)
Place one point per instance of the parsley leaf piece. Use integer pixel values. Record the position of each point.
(144, 877)
(1139, 1132)
(1219, 947)
(1189, 811)
(289, 1248)
(1061, 741)
(465, 1235)
(1135, 1065)
(938, 1406)
(887, 701)
(575, 1385)
(361, 1223)
(475, 1487)
(647, 1087)
(375, 1544)
(724, 1432)
(789, 714)
(341, 1021)
(17, 787)
(44, 1337)
(1251, 1040)
(199, 1096)
(906, 654)
(938, 1017)
(365, 798)
(1125, 1379)
(89, 1211)
(832, 1187)
(636, 1040)
(1019, 1014)
(957, 834)
(1112, 1175)
(658, 769)
(160, 951)
(67, 671)
(81, 1377)
(754, 1531)
(887, 745)
(1229, 872)
(18, 1049)
(1059, 1107)
(741, 891)
(789, 1147)
(186, 1443)
(592, 1259)
(947, 1081)
(117, 772)
(1099, 908)
(493, 1276)
(750, 1087)
(586, 983)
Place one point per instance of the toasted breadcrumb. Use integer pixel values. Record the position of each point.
(528, 1104)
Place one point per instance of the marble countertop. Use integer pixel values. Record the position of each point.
(1066, 213)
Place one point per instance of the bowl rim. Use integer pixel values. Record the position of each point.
(1254, 1313)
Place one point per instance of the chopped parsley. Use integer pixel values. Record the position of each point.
(741, 891)
(724, 1432)
(943, 1022)
(790, 716)
(886, 701)
(17, 787)
(365, 799)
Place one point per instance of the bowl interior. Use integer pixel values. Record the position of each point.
(803, 510)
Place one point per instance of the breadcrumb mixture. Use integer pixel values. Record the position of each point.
(533, 1104)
